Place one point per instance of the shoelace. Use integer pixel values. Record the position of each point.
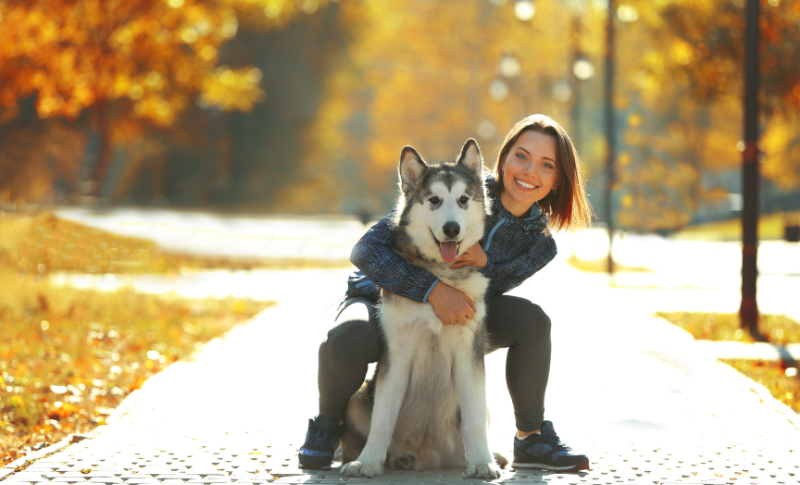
(320, 436)
(553, 438)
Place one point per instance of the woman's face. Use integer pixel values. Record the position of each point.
(530, 172)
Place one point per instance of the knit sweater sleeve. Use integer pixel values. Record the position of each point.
(505, 275)
(373, 255)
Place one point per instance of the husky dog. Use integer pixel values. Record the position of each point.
(426, 405)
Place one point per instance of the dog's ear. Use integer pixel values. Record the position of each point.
(411, 168)
(471, 157)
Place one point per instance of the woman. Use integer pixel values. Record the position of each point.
(537, 186)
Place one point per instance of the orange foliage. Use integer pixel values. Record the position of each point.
(158, 54)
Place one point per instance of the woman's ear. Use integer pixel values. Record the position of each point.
(411, 168)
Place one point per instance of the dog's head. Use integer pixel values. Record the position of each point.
(443, 204)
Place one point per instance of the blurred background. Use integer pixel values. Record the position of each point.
(302, 106)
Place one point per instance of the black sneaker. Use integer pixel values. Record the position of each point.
(322, 438)
(547, 451)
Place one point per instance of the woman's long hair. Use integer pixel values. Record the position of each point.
(567, 207)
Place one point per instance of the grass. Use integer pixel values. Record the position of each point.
(770, 227)
(601, 266)
(784, 386)
(781, 381)
(779, 329)
(69, 356)
(44, 243)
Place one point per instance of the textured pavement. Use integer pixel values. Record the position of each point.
(637, 395)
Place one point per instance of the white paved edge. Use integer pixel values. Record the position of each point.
(46, 451)
(767, 397)
(753, 386)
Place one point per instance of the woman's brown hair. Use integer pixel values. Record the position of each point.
(567, 207)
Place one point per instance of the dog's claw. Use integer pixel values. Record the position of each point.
(359, 469)
(483, 470)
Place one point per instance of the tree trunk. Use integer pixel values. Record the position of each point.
(104, 153)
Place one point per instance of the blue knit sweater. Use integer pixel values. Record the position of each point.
(516, 247)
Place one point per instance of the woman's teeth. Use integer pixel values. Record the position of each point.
(525, 185)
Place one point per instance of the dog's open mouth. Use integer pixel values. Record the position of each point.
(448, 250)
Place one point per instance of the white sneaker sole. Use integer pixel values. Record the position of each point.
(548, 467)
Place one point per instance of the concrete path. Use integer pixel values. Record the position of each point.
(629, 390)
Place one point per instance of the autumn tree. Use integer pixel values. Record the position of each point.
(432, 74)
(702, 48)
(144, 62)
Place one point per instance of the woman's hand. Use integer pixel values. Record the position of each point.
(474, 256)
(451, 305)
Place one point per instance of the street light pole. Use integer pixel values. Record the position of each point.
(609, 105)
(575, 39)
(748, 312)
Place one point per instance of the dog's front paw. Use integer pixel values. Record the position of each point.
(483, 470)
(361, 469)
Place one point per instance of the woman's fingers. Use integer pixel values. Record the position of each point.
(464, 260)
(471, 305)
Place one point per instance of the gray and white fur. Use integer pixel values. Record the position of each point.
(426, 405)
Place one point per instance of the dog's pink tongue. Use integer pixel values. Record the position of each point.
(448, 250)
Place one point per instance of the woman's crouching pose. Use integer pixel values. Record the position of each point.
(537, 187)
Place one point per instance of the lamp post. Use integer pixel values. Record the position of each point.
(609, 115)
(582, 69)
(748, 311)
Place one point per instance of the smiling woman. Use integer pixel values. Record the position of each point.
(538, 164)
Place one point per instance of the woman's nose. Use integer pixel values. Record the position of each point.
(530, 168)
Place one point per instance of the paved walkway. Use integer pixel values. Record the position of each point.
(629, 390)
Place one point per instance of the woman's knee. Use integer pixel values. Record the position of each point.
(535, 324)
(351, 338)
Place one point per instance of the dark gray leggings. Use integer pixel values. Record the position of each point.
(514, 323)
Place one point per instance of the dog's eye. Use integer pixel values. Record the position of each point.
(434, 200)
(463, 199)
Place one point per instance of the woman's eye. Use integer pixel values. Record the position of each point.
(464, 199)
(434, 200)
(521, 156)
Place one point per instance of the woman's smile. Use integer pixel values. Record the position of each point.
(525, 185)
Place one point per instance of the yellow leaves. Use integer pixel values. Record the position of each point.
(16, 401)
(208, 52)
(230, 89)
(719, 149)
(682, 52)
(239, 306)
(61, 410)
(781, 146)
(76, 53)
(156, 108)
(188, 35)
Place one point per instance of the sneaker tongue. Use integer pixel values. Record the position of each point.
(448, 250)
(548, 431)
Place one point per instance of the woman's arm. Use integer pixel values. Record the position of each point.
(372, 254)
(505, 275)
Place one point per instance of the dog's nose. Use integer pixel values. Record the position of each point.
(451, 229)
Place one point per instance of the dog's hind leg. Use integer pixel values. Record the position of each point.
(470, 380)
(403, 460)
(389, 395)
